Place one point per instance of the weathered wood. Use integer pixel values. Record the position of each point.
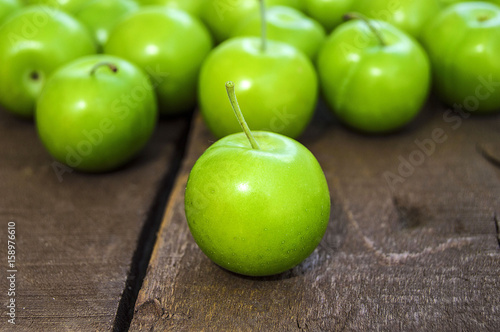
(419, 253)
(77, 234)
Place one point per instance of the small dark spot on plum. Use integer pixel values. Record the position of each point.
(34, 75)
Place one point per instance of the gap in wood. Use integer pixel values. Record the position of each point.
(147, 238)
(496, 219)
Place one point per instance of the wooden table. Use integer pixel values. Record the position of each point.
(412, 243)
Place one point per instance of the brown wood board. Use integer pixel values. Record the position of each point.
(417, 253)
(77, 233)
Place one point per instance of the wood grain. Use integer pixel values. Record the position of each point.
(77, 233)
(420, 253)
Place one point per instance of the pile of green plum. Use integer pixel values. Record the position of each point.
(95, 75)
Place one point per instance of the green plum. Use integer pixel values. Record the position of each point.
(70, 6)
(223, 16)
(463, 43)
(170, 45)
(451, 2)
(34, 42)
(257, 204)
(101, 16)
(373, 75)
(193, 7)
(7, 7)
(96, 113)
(296, 4)
(287, 25)
(328, 12)
(277, 86)
(409, 15)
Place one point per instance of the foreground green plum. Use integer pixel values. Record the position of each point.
(257, 204)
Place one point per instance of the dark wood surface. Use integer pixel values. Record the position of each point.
(418, 252)
(77, 234)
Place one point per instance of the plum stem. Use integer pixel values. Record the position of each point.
(239, 115)
(263, 25)
(111, 66)
(364, 19)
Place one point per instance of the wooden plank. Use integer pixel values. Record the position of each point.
(77, 233)
(420, 253)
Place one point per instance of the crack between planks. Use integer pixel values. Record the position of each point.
(147, 237)
(496, 219)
